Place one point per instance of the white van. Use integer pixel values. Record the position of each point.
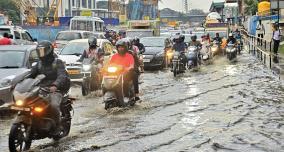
(87, 23)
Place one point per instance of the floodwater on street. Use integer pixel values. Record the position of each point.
(223, 107)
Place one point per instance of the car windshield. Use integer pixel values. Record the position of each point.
(66, 36)
(12, 59)
(76, 48)
(4, 30)
(153, 42)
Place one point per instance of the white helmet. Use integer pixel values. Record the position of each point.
(231, 34)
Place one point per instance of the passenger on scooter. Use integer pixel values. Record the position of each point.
(124, 59)
(134, 51)
(57, 78)
(139, 45)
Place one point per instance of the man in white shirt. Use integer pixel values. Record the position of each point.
(276, 41)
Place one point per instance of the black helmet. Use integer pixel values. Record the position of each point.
(124, 43)
(193, 38)
(92, 42)
(136, 39)
(44, 49)
(176, 38)
(181, 37)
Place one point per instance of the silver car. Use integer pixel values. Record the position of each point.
(15, 65)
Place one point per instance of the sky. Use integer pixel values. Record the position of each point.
(178, 4)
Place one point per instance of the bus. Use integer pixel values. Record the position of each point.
(87, 23)
(143, 28)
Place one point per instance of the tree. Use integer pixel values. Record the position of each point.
(251, 7)
(9, 8)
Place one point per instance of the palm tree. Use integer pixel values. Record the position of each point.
(251, 7)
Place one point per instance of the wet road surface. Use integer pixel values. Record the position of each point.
(223, 107)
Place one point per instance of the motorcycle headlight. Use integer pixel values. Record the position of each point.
(170, 54)
(5, 83)
(214, 49)
(19, 102)
(112, 69)
(86, 67)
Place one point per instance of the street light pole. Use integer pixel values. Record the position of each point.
(278, 7)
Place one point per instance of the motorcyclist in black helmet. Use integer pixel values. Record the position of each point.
(57, 78)
(195, 42)
(139, 45)
(180, 46)
(93, 51)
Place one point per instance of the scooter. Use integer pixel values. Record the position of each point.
(34, 120)
(231, 52)
(193, 57)
(91, 76)
(115, 89)
(215, 48)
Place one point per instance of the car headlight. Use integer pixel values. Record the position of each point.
(5, 83)
(86, 67)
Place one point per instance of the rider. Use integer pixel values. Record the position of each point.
(231, 39)
(180, 46)
(57, 78)
(93, 51)
(217, 38)
(139, 45)
(195, 42)
(126, 60)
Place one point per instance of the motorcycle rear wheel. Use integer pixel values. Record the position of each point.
(66, 124)
(18, 138)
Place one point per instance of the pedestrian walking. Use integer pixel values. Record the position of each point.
(276, 36)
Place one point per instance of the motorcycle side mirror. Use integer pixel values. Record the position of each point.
(34, 64)
(40, 77)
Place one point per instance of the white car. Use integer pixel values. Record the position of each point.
(72, 52)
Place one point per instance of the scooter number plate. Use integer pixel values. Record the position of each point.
(146, 60)
(20, 108)
(73, 71)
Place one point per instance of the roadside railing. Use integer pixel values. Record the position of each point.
(262, 49)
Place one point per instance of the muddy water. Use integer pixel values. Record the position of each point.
(223, 107)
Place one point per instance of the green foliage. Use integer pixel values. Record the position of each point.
(8, 8)
(251, 7)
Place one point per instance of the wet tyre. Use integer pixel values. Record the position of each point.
(85, 88)
(18, 138)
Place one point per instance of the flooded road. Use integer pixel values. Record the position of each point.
(223, 107)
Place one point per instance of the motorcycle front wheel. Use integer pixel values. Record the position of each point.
(18, 138)
(85, 87)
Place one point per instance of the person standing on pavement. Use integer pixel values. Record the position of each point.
(5, 40)
(276, 37)
(260, 32)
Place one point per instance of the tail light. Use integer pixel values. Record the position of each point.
(38, 109)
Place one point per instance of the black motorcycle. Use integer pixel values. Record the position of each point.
(91, 76)
(178, 64)
(34, 120)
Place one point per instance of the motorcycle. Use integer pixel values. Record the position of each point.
(113, 85)
(231, 52)
(34, 120)
(177, 65)
(215, 48)
(91, 76)
(193, 57)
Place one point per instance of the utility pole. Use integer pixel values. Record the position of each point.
(185, 6)
(278, 7)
